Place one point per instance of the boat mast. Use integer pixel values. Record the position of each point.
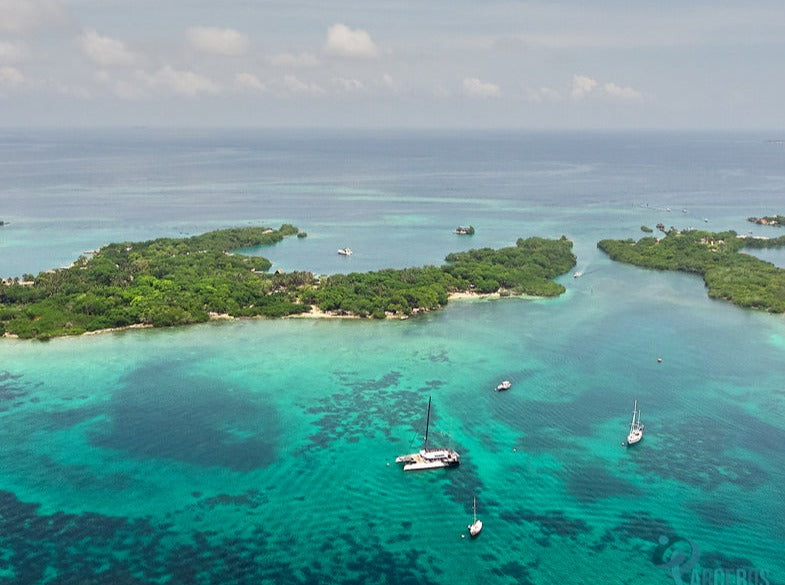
(427, 424)
(634, 412)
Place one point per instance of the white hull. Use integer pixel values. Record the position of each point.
(474, 529)
(437, 459)
(633, 438)
(636, 428)
(427, 458)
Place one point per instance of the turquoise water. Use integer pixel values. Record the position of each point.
(263, 451)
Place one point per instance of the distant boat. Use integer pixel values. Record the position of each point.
(577, 274)
(345, 251)
(636, 428)
(476, 526)
(505, 385)
(427, 458)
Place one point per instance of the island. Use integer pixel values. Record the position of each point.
(775, 220)
(467, 230)
(178, 281)
(728, 272)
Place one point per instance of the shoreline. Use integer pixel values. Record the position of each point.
(315, 313)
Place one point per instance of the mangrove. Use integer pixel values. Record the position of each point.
(728, 272)
(178, 281)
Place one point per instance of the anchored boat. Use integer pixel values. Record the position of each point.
(505, 385)
(427, 458)
(476, 526)
(636, 428)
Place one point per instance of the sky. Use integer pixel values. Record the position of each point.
(561, 64)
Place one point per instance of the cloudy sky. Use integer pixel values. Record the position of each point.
(397, 63)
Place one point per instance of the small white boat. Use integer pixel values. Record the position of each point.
(636, 428)
(345, 251)
(476, 526)
(505, 385)
(577, 274)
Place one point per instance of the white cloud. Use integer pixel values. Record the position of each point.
(582, 86)
(104, 51)
(291, 60)
(543, 94)
(345, 42)
(622, 93)
(248, 81)
(293, 85)
(388, 82)
(218, 41)
(185, 83)
(121, 88)
(21, 16)
(348, 85)
(10, 77)
(12, 52)
(473, 87)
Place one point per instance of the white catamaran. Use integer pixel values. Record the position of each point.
(476, 526)
(427, 458)
(636, 428)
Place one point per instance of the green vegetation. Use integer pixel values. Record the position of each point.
(729, 273)
(166, 282)
(465, 230)
(775, 220)
(526, 268)
(646, 229)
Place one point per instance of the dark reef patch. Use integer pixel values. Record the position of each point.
(11, 390)
(517, 572)
(554, 523)
(695, 452)
(93, 549)
(715, 513)
(164, 411)
(362, 410)
(593, 482)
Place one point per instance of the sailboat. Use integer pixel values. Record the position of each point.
(476, 526)
(427, 458)
(636, 428)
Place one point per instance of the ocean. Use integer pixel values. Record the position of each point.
(263, 451)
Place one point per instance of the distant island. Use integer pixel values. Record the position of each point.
(177, 281)
(465, 230)
(775, 220)
(729, 273)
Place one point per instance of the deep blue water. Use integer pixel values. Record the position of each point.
(263, 451)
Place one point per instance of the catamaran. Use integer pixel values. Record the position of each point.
(636, 428)
(427, 458)
(476, 526)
